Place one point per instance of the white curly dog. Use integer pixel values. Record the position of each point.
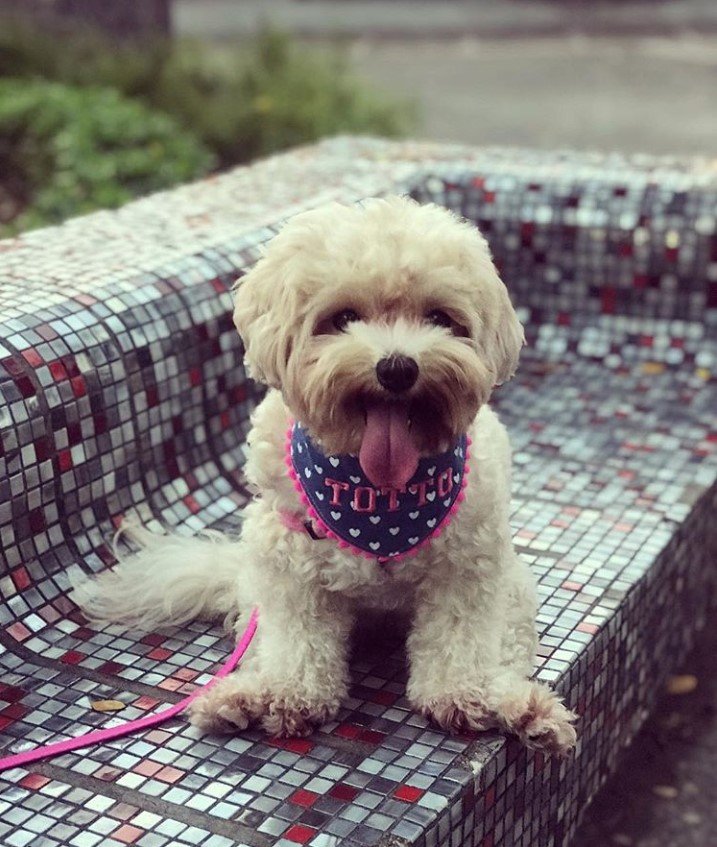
(381, 330)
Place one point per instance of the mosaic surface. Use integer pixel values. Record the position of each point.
(124, 393)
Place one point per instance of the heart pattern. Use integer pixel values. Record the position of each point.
(384, 523)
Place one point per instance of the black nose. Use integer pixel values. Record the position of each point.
(397, 373)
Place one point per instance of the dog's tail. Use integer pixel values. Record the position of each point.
(169, 581)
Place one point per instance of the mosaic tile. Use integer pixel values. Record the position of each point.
(123, 393)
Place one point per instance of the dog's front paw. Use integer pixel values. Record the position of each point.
(288, 716)
(238, 701)
(540, 719)
(461, 713)
(230, 704)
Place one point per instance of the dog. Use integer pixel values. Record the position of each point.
(382, 481)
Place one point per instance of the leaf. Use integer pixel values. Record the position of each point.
(684, 684)
(666, 792)
(107, 705)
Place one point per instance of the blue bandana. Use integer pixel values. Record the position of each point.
(381, 523)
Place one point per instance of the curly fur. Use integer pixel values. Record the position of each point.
(471, 600)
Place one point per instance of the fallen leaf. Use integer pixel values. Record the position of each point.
(667, 792)
(683, 684)
(107, 705)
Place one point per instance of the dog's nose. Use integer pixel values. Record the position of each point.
(397, 373)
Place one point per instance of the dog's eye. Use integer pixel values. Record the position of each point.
(439, 318)
(343, 318)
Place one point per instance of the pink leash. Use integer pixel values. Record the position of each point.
(100, 735)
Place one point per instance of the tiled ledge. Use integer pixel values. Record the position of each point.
(123, 393)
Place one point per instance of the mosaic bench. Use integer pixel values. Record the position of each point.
(124, 394)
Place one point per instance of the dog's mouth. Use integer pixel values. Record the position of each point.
(388, 454)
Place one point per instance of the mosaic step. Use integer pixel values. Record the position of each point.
(123, 393)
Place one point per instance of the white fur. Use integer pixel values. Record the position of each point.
(472, 601)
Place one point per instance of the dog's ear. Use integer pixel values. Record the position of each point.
(258, 319)
(503, 337)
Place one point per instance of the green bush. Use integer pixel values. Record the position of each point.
(242, 101)
(65, 151)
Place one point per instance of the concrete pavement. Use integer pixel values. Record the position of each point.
(445, 19)
(653, 95)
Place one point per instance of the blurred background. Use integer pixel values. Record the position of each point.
(105, 100)
(102, 100)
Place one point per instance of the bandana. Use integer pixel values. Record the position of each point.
(382, 523)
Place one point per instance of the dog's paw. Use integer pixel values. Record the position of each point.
(458, 714)
(234, 703)
(540, 720)
(287, 717)
(230, 704)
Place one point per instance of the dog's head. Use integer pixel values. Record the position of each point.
(384, 325)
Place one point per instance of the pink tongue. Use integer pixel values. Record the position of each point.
(388, 455)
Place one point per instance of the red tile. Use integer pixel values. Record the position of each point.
(490, 798)
(34, 781)
(408, 793)
(147, 768)
(72, 657)
(32, 357)
(14, 711)
(347, 730)
(608, 299)
(57, 369)
(153, 640)
(21, 578)
(191, 503)
(145, 702)
(160, 653)
(590, 628)
(64, 460)
(19, 631)
(170, 774)
(300, 834)
(11, 693)
(370, 736)
(384, 698)
(297, 745)
(186, 675)
(342, 791)
(79, 387)
(128, 834)
(302, 797)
